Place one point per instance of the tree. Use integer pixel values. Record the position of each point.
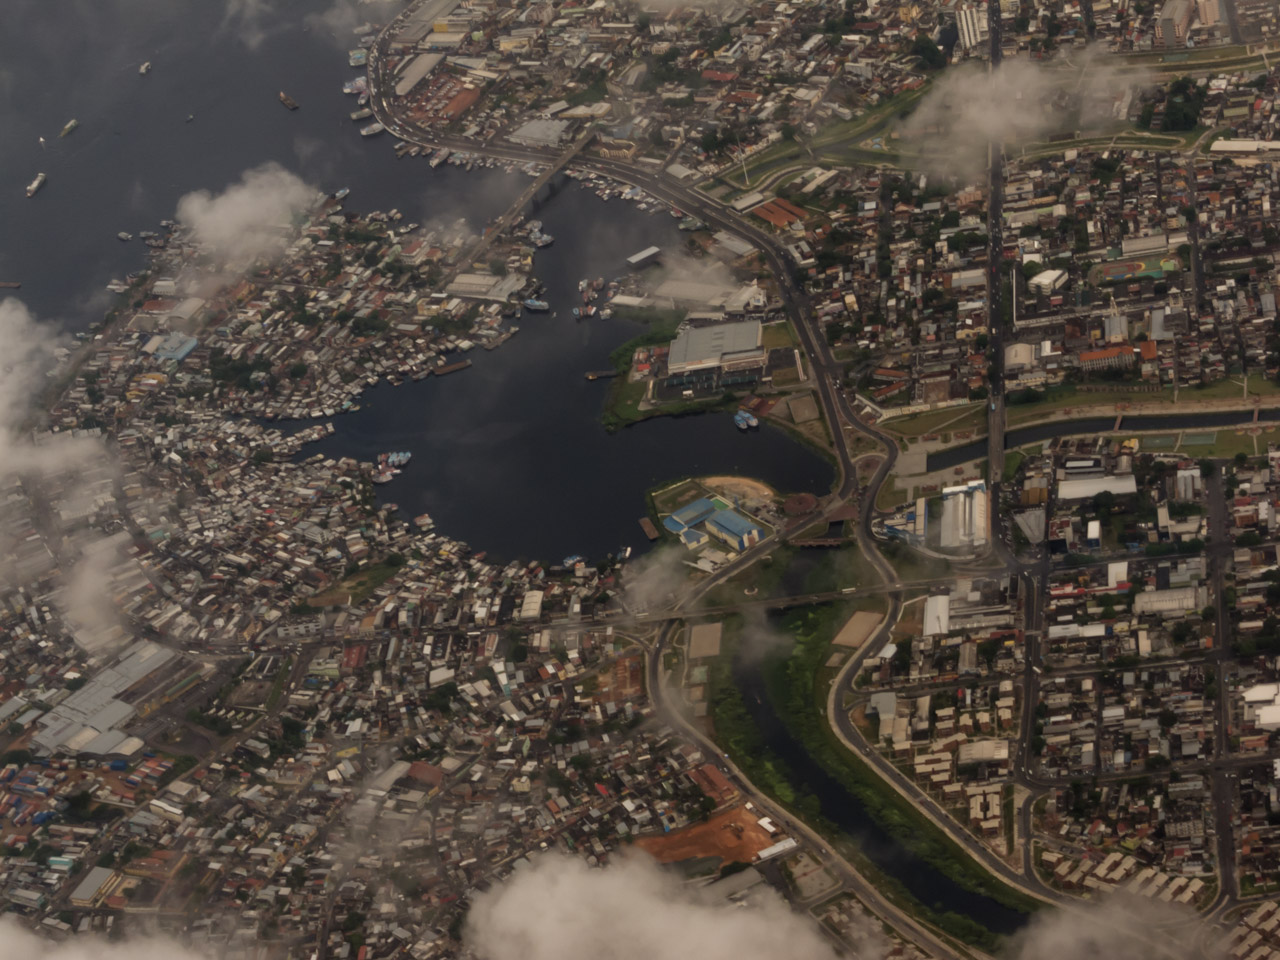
(1207, 467)
(1167, 718)
(928, 52)
(297, 371)
(788, 131)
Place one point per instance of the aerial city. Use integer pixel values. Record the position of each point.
(746, 479)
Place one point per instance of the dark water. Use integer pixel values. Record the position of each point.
(509, 455)
(953, 457)
(845, 810)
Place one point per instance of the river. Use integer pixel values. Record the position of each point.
(509, 455)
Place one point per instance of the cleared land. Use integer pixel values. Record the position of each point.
(733, 836)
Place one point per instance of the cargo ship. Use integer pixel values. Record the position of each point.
(536, 306)
(36, 184)
(371, 130)
(71, 125)
(288, 101)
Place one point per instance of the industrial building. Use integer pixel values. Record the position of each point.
(966, 524)
(716, 354)
(87, 722)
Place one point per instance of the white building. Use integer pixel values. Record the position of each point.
(971, 20)
(966, 524)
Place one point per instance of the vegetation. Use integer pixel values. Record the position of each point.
(799, 699)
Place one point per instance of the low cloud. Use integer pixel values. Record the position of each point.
(1022, 101)
(251, 21)
(18, 943)
(559, 907)
(250, 218)
(1122, 925)
(654, 581)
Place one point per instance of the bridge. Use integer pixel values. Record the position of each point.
(503, 223)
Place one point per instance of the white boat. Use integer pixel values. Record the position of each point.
(145, 69)
(36, 184)
(124, 236)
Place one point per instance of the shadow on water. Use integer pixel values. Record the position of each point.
(847, 812)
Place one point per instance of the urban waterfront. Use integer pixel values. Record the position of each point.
(510, 455)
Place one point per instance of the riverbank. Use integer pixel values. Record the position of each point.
(956, 890)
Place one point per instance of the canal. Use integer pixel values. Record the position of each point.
(955, 456)
(846, 811)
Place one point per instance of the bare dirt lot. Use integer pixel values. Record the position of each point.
(732, 835)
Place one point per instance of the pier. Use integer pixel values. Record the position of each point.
(601, 374)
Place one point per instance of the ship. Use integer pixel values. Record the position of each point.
(36, 184)
(536, 306)
(358, 57)
(371, 130)
(144, 69)
(394, 460)
(364, 113)
(71, 125)
(288, 101)
(439, 157)
(745, 420)
(358, 85)
(124, 236)
(342, 193)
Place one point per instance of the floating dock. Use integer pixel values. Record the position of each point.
(451, 367)
(601, 374)
(649, 529)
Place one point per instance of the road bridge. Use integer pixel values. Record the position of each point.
(503, 223)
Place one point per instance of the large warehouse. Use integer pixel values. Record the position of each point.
(717, 347)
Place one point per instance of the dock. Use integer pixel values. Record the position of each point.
(649, 529)
(601, 374)
(451, 368)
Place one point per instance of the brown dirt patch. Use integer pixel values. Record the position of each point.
(739, 487)
(732, 835)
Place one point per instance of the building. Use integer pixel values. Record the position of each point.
(1109, 358)
(971, 21)
(734, 529)
(965, 521)
(726, 352)
(1173, 22)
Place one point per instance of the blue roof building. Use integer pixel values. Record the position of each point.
(176, 347)
(734, 529)
(689, 514)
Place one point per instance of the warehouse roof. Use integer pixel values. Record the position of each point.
(713, 344)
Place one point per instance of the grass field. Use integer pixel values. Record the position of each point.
(968, 417)
(776, 335)
(357, 587)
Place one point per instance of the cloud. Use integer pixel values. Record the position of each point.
(250, 21)
(1122, 925)
(559, 907)
(1020, 102)
(250, 218)
(17, 943)
(652, 582)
